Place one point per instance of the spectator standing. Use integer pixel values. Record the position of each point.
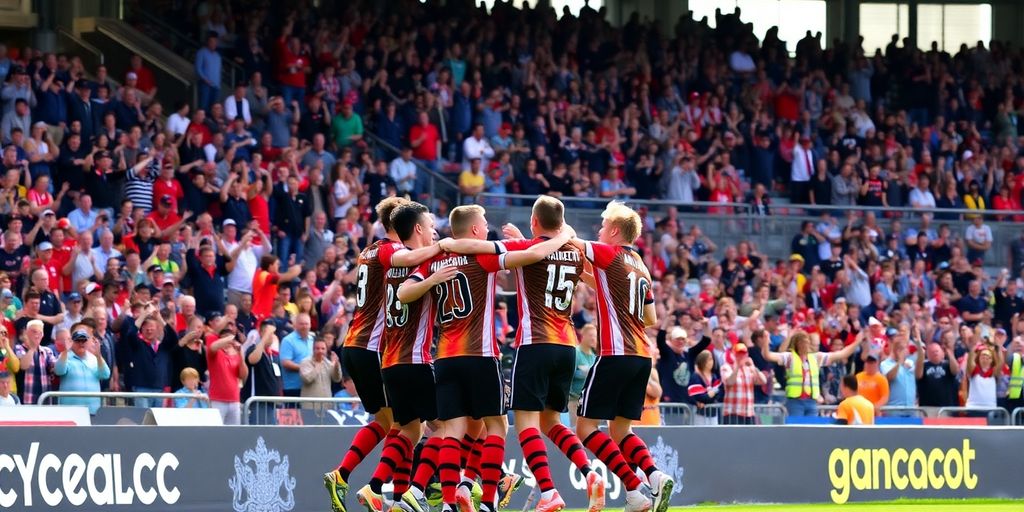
(295, 348)
(740, 378)
(586, 356)
(9, 356)
(801, 170)
(224, 359)
(148, 352)
(705, 389)
(900, 369)
(292, 212)
(979, 239)
(984, 368)
(318, 372)
(872, 384)
(936, 374)
(346, 127)
(207, 273)
(403, 172)
(36, 362)
(81, 367)
(803, 389)
(262, 358)
(208, 63)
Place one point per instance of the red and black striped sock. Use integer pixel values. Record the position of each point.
(635, 451)
(536, 455)
(403, 474)
(396, 449)
(604, 448)
(472, 467)
(363, 443)
(449, 469)
(426, 466)
(490, 467)
(566, 441)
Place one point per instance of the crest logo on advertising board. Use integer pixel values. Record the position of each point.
(262, 482)
(667, 459)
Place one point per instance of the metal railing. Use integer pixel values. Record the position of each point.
(179, 42)
(764, 414)
(996, 416)
(730, 223)
(263, 410)
(1018, 416)
(437, 186)
(91, 56)
(106, 396)
(676, 413)
(898, 411)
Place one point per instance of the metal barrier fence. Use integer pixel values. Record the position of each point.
(996, 416)
(730, 223)
(1018, 416)
(105, 397)
(268, 410)
(764, 414)
(676, 413)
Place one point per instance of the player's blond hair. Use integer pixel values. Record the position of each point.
(462, 217)
(385, 207)
(549, 212)
(625, 219)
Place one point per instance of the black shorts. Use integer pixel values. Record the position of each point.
(363, 367)
(410, 391)
(469, 386)
(541, 377)
(616, 386)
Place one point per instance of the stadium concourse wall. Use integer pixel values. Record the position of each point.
(279, 469)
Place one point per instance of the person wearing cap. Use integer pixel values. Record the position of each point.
(81, 367)
(676, 358)
(73, 315)
(803, 389)
(871, 383)
(739, 378)
(166, 219)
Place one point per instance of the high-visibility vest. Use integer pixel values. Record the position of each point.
(1016, 377)
(795, 377)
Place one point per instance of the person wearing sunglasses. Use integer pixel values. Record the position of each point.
(81, 367)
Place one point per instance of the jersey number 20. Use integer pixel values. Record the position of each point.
(454, 299)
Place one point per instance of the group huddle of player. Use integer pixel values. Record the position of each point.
(408, 285)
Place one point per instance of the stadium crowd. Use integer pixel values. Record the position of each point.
(161, 244)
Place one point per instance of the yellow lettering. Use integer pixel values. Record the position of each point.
(970, 479)
(953, 480)
(880, 457)
(935, 477)
(860, 467)
(916, 469)
(839, 459)
(899, 478)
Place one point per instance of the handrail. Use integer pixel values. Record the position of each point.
(815, 207)
(1018, 416)
(247, 406)
(112, 394)
(419, 166)
(85, 45)
(234, 68)
(949, 411)
(115, 30)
